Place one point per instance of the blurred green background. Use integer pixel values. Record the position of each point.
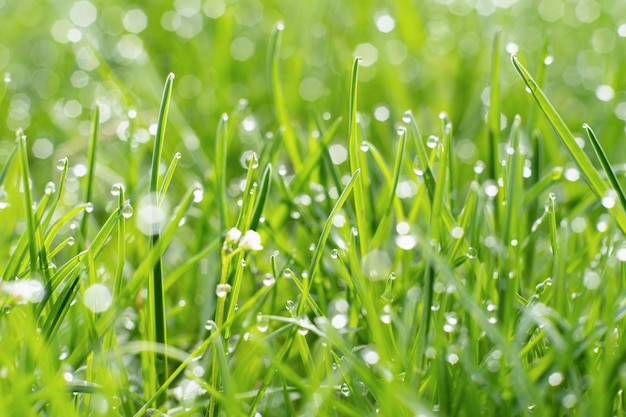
(428, 56)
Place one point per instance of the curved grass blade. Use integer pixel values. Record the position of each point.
(597, 185)
(5, 169)
(606, 165)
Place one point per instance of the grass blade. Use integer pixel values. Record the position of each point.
(156, 302)
(606, 165)
(91, 174)
(354, 151)
(494, 106)
(598, 186)
(28, 202)
(289, 137)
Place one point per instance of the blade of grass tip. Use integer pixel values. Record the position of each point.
(598, 186)
(167, 179)
(354, 151)
(156, 297)
(264, 190)
(424, 167)
(383, 227)
(289, 137)
(606, 165)
(28, 201)
(221, 149)
(91, 174)
(494, 105)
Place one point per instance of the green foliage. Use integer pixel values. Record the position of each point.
(309, 237)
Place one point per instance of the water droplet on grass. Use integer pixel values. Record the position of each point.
(334, 253)
(221, 290)
(345, 390)
(210, 325)
(365, 147)
(432, 141)
(407, 116)
(471, 253)
(50, 188)
(262, 322)
(417, 167)
(61, 164)
(89, 207)
(116, 189)
(269, 280)
(127, 210)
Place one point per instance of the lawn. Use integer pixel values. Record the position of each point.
(329, 208)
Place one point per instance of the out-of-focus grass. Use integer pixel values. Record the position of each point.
(408, 265)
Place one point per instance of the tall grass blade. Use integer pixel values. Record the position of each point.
(289, 137)
(91, 174)
(221, 150)
(606, 165)
(28, 203)
(156, 297)
(354, 152)
(597, 185)
(494, 106)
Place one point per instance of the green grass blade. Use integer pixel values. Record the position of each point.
(606, 165)
(494, 106)
(91, 174)
(167, 179)
(156, 297)
(597, 185)
(7, 164)
(221, 150)
(28, 202)
(289, 137)
(354, 151)
(264, 190)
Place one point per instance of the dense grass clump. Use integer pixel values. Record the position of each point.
(364, 259)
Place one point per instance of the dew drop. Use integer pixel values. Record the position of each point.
(71, 240)
(198, 194)
(177, 155)
(471, 253)
(210, 325)
(61, 164)
(365, 147)
(268, 280)
(417, 167)
(345, 390)
(432, 141)
(290, 306)
(116, 189)
(127, 210)
(221, 290)
(548, 60)
(262, 322)
(334, 253)
(407, 116)
(89, 207)
(243, 263)
(50, 188)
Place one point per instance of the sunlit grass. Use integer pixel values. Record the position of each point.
(336, 264)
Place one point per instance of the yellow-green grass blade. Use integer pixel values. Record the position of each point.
(28, 202)
(221, 149)
(91, 174)
(289, 137)
(493, 116)
(595, 182)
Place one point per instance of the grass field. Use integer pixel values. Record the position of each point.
(256, 208)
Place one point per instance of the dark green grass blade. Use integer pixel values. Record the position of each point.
(264, 190)
(598, 186)
(156, 302)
